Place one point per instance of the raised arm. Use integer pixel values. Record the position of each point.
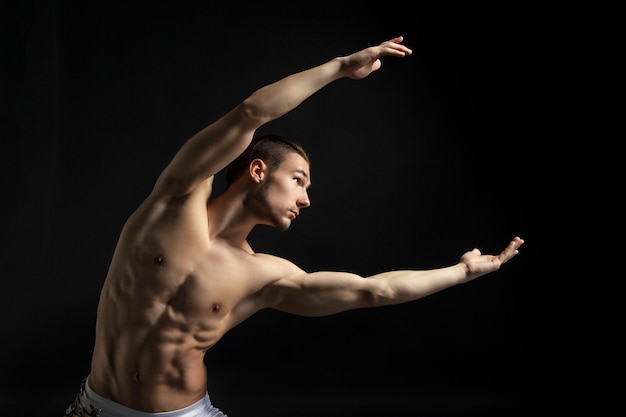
(324, 293)
(214, 147)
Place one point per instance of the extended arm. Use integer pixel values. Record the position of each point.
(214, 147)
(324, 293)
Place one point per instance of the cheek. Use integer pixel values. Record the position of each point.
(281, 189)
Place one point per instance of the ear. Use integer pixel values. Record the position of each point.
(258, 170)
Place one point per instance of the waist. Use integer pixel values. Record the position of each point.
(110, 408)
(149, 380)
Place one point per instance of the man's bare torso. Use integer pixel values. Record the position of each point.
(170, 294)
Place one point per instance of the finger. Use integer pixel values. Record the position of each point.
(394, 47)
(511, 250)
(397, 39)
(516, 242)
(398, 50)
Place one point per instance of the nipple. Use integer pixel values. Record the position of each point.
(217, 307)
(158, 260)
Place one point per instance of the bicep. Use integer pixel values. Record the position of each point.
(324, 293)
(206, 153)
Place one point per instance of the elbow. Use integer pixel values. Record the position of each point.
(381, 295)
(369, 299)
(250, 113)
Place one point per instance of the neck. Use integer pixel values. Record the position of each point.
(229, 219)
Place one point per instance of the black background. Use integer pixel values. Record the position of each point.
(497, 125)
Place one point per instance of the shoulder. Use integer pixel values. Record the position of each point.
(275, 275)
(265, 280)
(276, 266)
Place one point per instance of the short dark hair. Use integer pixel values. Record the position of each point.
(271, 149)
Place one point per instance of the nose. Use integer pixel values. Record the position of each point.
(304, 201)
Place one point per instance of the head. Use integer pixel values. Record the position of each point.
(271, 149)
(278, 170)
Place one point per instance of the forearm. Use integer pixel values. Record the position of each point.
(407, 285)
(274, 100)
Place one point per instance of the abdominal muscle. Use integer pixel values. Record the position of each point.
(148, 355)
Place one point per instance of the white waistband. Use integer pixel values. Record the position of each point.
(108, 408)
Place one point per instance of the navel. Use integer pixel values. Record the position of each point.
(217, 307)
(159, 259)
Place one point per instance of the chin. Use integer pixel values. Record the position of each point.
(281, 226)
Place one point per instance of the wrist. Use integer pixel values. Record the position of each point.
(462, 272)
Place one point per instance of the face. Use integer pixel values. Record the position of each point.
(282, 194)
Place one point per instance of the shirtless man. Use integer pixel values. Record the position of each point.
(183, 274)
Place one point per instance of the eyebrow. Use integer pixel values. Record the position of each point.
(305, 175)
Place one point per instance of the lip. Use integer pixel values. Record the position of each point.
(295, 213)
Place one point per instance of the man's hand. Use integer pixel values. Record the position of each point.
(361, 64)
(478, 264)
